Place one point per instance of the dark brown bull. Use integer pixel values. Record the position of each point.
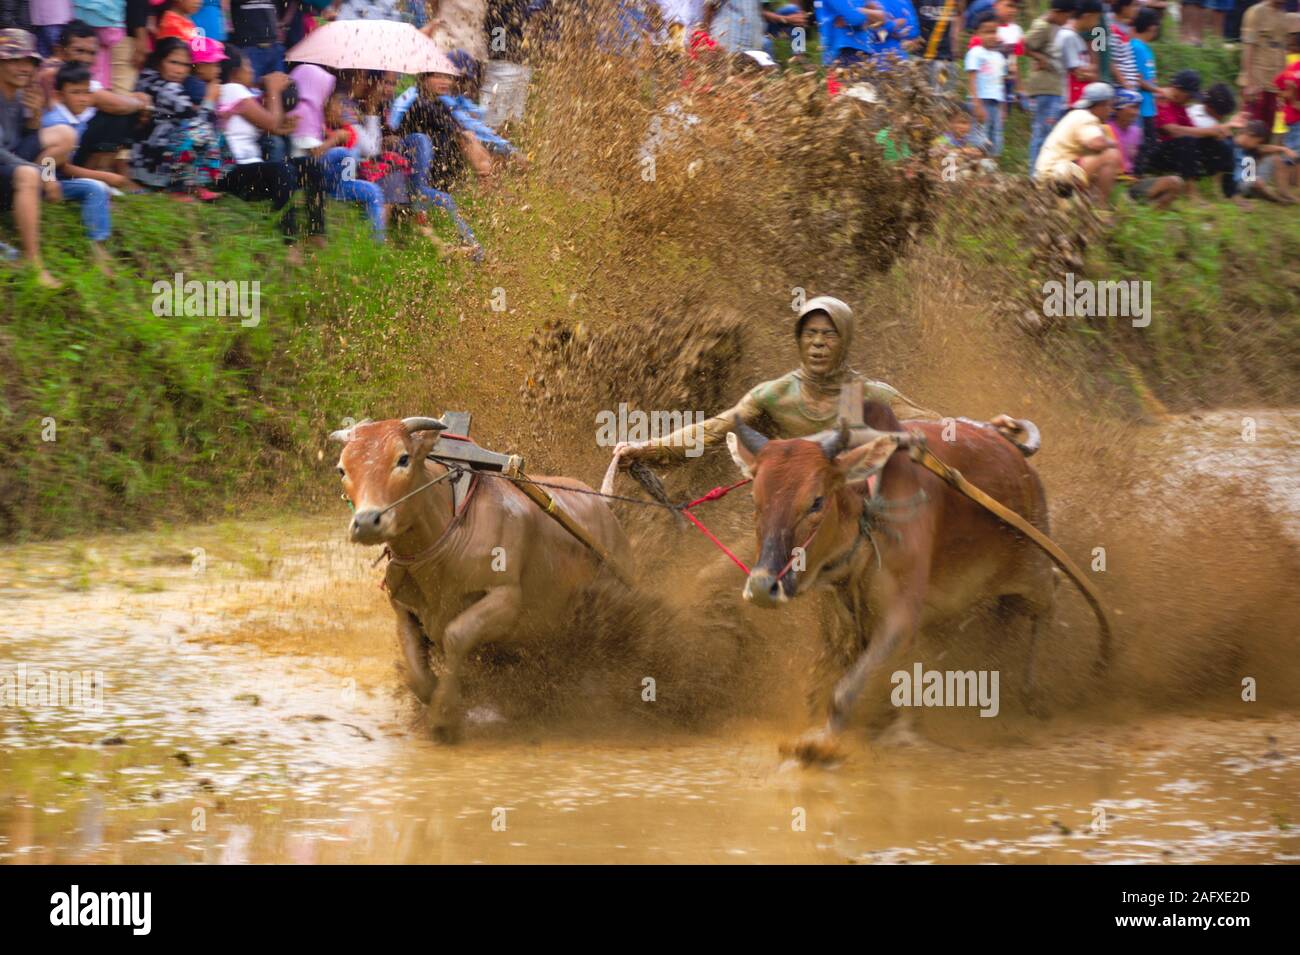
(501, 570)
(945, 556)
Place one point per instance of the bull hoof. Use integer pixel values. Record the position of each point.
(449, 734)
(814, 748)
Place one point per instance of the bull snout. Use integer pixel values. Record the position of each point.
(765, 589)
(370, 526)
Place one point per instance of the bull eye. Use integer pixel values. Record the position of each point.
(816, 505)
(404, 460)
(342, 473)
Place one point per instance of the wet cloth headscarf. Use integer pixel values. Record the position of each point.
(827, 385)
(314, 87)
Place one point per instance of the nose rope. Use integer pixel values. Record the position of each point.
(452, 471)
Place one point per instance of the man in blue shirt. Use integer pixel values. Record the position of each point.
(1146, 30)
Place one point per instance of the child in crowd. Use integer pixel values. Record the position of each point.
(1261, 170)
(962, 150)
(71, 107)
(180, 148)
(1288, 86)
(1146, 30)
(1126, 128)
(986, 69)
(176, 20)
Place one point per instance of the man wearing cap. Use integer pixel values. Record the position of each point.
(1080, 150)
(24, 146)
(1182, 147)
(796, 405)
(1263, 56)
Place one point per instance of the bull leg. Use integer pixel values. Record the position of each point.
(896, 628)
(487, 619)
(415, 653)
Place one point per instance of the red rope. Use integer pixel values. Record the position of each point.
(716, 494)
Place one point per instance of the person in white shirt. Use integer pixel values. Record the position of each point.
(986, 70)
(245, 119)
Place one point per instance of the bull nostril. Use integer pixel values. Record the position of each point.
(375, 521)
(775, 589)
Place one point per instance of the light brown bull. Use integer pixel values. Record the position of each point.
(946, 556)
(500, 570)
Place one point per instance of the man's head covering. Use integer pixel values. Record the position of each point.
(1125, 98)
(1189, 81)
(841, 317)
(18, 44)
(1094, 94)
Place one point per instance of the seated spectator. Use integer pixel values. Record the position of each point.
(1127, 130)
(1079, 151)
(70, 107)
(1215, 108)
(420, 109)
(1184, 149)
(113, 119)
(371, 95)
(23, 146)
(179, 150)
(467, 113)
(986, 69)
(244, 121)
(962, 150)
(1261, 170)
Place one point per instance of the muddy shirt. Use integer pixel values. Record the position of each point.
(780, 408)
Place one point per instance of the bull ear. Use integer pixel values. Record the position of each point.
(740, 454)
(866, 457)
(835, 441)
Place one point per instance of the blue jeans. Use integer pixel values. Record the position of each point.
(347, 188)
(419, 150)
(93, 196)
(1292, 138)
(265, 59)
(992, 126)
(1047, 107)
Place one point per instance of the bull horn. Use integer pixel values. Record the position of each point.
(835, 440)
(413, 425)
(750, 440)
(343, 435)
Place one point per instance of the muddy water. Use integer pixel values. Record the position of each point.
(251, 713)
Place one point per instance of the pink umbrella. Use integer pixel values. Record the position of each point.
(372, 45)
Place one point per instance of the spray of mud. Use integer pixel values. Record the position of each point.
(697, 198)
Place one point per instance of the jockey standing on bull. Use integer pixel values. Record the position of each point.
(797, 405)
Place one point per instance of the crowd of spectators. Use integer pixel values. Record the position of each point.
(193, 99)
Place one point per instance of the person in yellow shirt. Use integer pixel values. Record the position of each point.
(1080, 151)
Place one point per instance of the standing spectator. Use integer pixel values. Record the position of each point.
(211, 19)
(1146, 30)
(176, 19)
(849, 32)
(1123, 69)
(1081, 64)
(1215, 16)
(737, 25)
(1183, 148)
(986, 70)
(115, 66)
(1263, 56)
(48, 17)
(944, 18)
(23, 144)
(255, 29)
(1192, 21)
(1288, 85)
(1079, 152)
(1045, 84)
